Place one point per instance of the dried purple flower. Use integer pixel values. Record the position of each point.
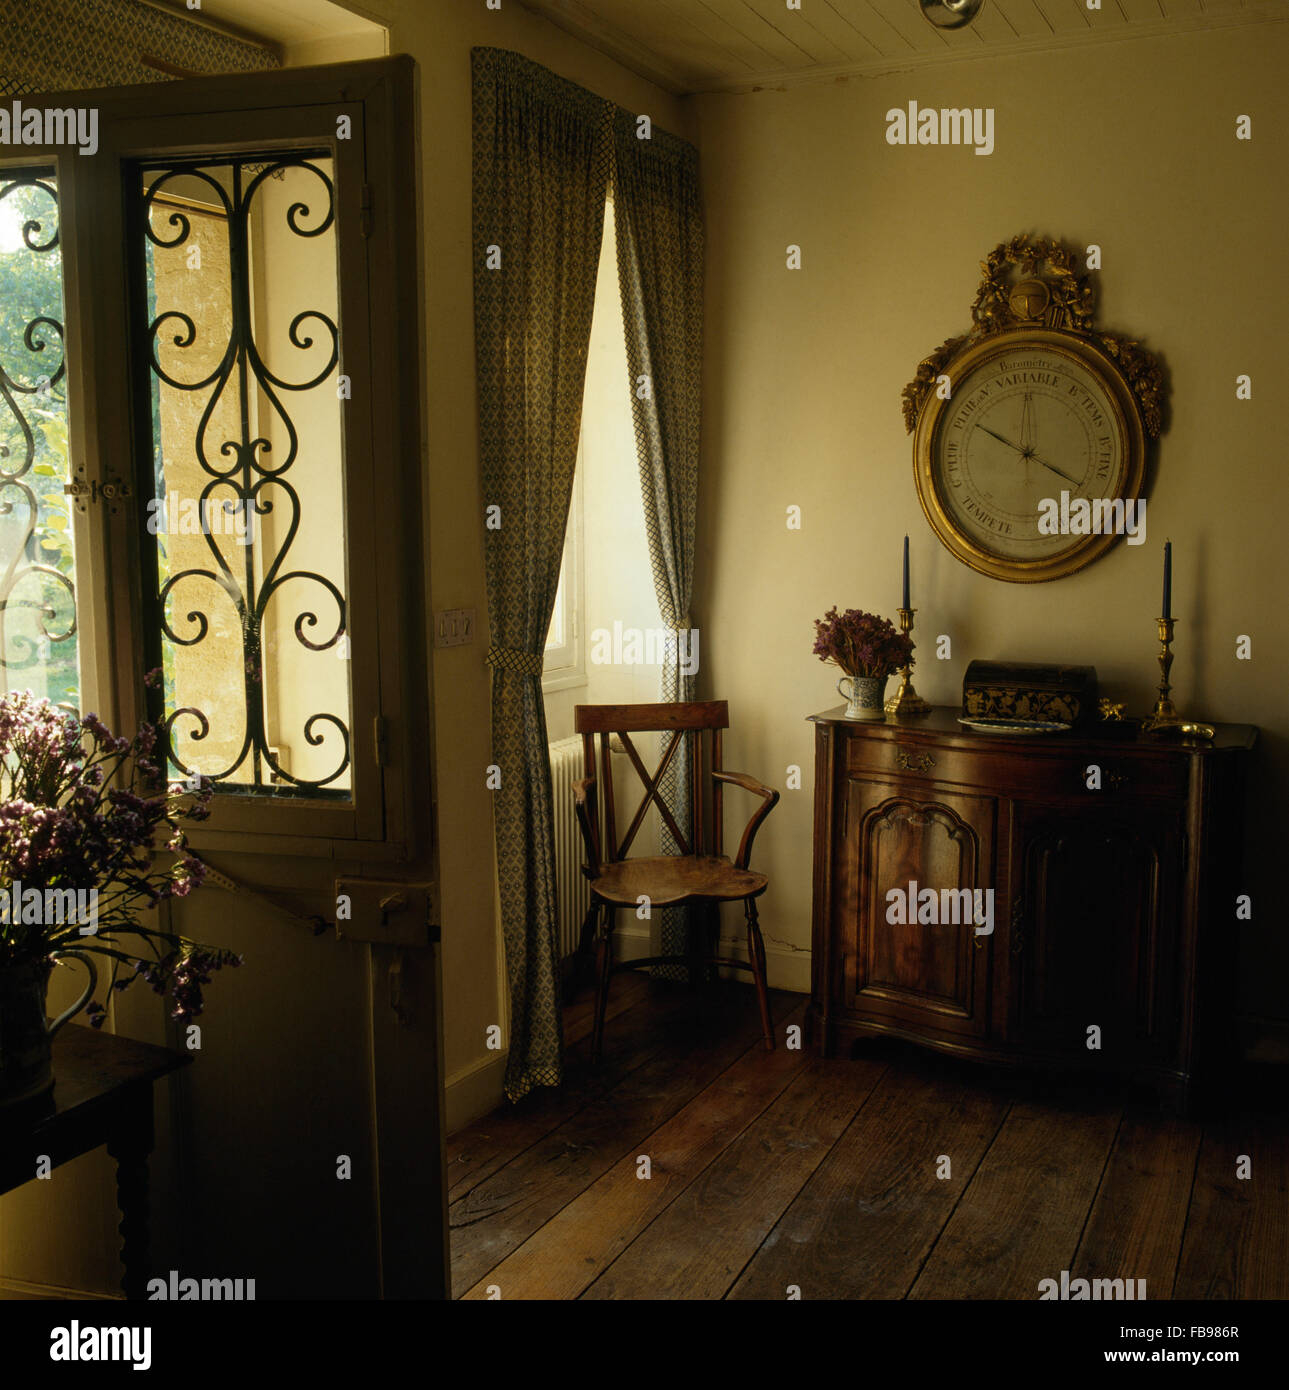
(81, 809)
(862, 644)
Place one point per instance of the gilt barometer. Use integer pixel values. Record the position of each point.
(1030, 430)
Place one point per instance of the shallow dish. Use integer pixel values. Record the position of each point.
(1015, 727)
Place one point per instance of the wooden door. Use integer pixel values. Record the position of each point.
(305, 1148)
(1096, 933)
(933, 975)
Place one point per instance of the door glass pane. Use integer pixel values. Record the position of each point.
(244, 402)
(37, 556)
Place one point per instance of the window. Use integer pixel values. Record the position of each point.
(226, 552)
(606, 548)
(247, 566)
(565, 664)
(38, 639)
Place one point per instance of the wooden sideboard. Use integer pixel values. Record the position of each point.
(1114, 907)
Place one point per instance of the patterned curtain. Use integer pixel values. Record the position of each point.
(542, 149)
(658, 211)
(68, 44)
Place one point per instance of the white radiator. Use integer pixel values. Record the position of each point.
(574, 894)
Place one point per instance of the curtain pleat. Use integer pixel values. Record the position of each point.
(658, 211)
(55, 45)
(541, 165)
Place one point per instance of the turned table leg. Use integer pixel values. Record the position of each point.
(129, 1147)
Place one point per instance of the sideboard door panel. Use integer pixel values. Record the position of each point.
(934, 975)
(1094, 936)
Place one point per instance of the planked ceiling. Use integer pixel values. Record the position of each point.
(735, 45)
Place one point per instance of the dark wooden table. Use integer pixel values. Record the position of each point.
(102, 1095)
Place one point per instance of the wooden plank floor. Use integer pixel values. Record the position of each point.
(692, 1164)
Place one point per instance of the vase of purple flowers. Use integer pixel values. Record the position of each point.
(91, 841)
(867, 648)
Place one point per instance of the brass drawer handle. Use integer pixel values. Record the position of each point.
(923, 762)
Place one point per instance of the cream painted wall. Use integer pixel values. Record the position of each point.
(1131, 146)
(439, 35)
(283, 1082)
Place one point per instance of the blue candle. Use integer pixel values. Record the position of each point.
(1168, 580)
(906, 604)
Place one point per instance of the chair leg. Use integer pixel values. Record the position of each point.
(695, 944)
(585, 965)
(756, 956)
(604, 969)
(711, 928)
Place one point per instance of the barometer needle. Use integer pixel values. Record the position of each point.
(1055, 469)
(1029, 454)
(1002, 440)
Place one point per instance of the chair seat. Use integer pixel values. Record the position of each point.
(675, 878)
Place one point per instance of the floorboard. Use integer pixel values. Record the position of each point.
(1237, 1236)
(864, 1224)
(500, 1213)
(1023, 1213)
(1139, 1215)
(565, 1254)
(698, 1247)
(479, 1150)
(901, 1174)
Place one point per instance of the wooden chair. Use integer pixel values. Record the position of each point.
(700, 874)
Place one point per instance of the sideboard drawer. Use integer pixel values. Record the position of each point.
(1028, 768)
(907, 757)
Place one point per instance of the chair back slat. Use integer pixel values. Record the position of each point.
(652, 793)
(717, 788)
(689, 724)
(696, 763)
(609, 800)
(640, 719)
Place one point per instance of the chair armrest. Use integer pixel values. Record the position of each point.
(588, 820)
(770, 799)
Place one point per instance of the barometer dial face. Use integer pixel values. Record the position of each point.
(1033, 421)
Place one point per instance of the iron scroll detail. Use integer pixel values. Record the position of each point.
(240, 473)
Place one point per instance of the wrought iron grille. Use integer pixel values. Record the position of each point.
(245, 452)
(37, 567)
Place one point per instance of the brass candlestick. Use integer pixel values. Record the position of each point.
(1164, 715)
(906, 700)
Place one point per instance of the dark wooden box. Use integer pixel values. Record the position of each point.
(1025, 690)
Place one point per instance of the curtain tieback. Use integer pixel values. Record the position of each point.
(681, 624)
(516, 659)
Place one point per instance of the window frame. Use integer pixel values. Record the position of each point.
(564, 666)
(46, 166)
(390, 812)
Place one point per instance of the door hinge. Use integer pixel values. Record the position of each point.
(83, 493)
(380, 734)
(365, 211)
